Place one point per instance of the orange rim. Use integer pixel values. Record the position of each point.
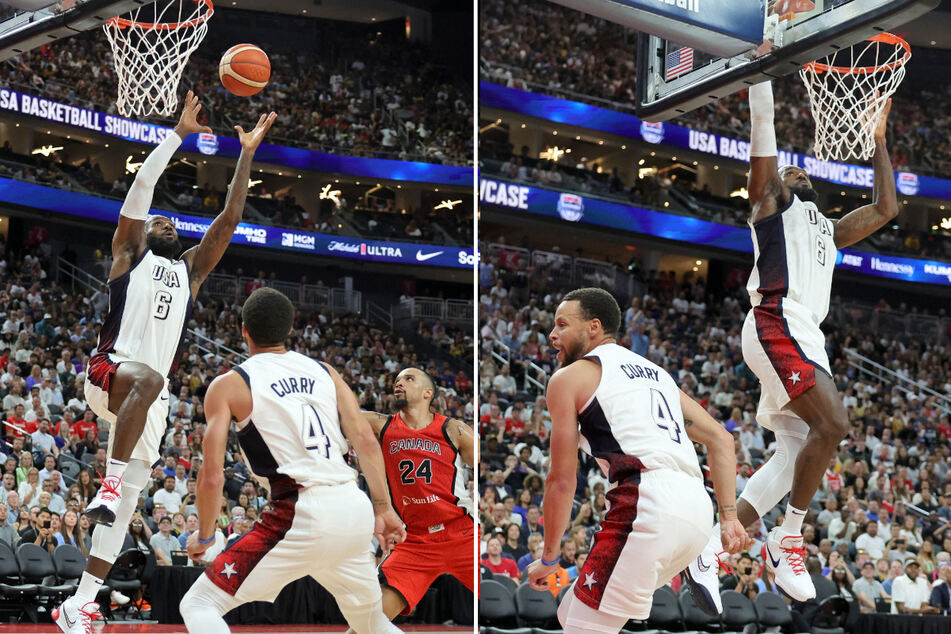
(883, 38)
(124, 23)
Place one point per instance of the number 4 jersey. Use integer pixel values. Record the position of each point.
(425, 474)
(633, 421)
(292, 438)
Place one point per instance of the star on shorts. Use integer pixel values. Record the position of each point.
(589, 580)
(229, 570)
(794, 378)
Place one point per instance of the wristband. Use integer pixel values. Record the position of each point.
(206, 541)
(549, 563)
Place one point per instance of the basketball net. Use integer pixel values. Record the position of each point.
(151, 53)
(848, 91)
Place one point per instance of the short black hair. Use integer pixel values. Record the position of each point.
(268, 316)
(597, 303)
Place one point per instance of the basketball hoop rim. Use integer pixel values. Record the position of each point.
(883, 38)
(124, 23)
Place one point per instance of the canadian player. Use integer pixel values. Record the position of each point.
(795, 250)
(294, 416)
(629, 414)
(424, 453)
(152, 286)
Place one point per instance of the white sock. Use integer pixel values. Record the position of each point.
(792, 522)
(88, 588)
(116, 468)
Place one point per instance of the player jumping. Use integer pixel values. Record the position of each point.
(795, 253)
(294, 416)
(151, 297)
(424, 455)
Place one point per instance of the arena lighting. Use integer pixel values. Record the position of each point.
(946, 223)
(130, 167)
(646, 171)
(699, 262)
(372, 189)
(46, 150)
(252, 183)
(447, 204)
(494, 124)
(934, 227)
(641, 162)
(553, 153)
(327, 194)
(740, 193)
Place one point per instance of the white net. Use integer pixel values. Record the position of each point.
(151, 47)
(848, 91)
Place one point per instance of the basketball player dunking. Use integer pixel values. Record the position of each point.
(294, 416)
(151, 290)
(424, 455)
(794, 256)
(640, 428)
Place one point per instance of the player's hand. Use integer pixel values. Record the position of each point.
(538, 574)
(388, 529)
(188, 122)
(194, 548)
(882, 126)
(251, 140)
(733, 537)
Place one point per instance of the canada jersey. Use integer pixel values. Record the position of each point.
(633, 421)
(794, 257)
(292, 437)
(425, 474)
(148, 307)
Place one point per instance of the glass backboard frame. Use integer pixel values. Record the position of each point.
(809, 37)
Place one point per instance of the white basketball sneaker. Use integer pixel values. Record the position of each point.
(784, 555)
(102, 509)
(703, 579)
(74, 617)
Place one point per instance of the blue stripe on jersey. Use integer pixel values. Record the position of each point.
(243, 375)
(262, 461)
(325, 368)
(118, 289)
(179, 350)
(773, 268)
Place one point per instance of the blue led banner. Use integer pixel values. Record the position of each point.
(107, 210)
(627, 125)
(213, 145)
(575, 208)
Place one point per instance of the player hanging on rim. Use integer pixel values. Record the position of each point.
(629, 415)
(294, 416)
(424, 453)
(790, 286)
(151, 291)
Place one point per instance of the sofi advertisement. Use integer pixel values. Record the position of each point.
(575, 208)
(627, 125)
(107, 210)
(228, 146)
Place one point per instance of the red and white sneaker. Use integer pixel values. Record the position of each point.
(74, 617)
(702, 576)
(102, 509)
(785, 557)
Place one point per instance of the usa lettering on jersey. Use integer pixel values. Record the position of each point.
(422, 444)
(168, 277)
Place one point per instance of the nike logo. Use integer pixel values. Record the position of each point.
(164, 398)
(701, 566)
(775, 562)
(422, 257)
(69, 622)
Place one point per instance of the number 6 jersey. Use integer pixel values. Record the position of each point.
(424, 471)
(292, 438)
(633, 421)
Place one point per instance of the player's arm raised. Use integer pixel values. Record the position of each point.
(461, 436)
(205, 257)
(702, 428)
(389, 528)
(562, 479)
(128, 241)
(767, 191)
(857, 225)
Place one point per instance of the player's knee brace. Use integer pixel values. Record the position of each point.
(203, 607)
(774, 479)
(107, 540)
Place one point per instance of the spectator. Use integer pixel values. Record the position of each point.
(498, 563)
(910, 592)
(868, 589)
(163, 542)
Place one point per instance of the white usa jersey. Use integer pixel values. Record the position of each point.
(292, 438)
(149, 306)
(794, 257)
(633, 421)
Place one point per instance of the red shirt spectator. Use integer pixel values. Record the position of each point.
(22, 427)
(514, 426)
(498, 563)
(80, 427)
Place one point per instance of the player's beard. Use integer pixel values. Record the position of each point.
(805, 194)
(164, 247)
(399, 404)
(572, 351)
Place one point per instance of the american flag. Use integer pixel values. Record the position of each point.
(678, 63)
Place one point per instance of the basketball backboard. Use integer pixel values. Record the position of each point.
(700, 78)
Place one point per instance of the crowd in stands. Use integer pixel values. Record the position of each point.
(359, 94)
(885, 501)
(54, 447)
(541, 46)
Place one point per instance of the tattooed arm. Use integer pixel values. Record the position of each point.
(462, 437)
(377, 421)
(702, 428)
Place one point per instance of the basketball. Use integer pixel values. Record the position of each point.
(244, 70)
